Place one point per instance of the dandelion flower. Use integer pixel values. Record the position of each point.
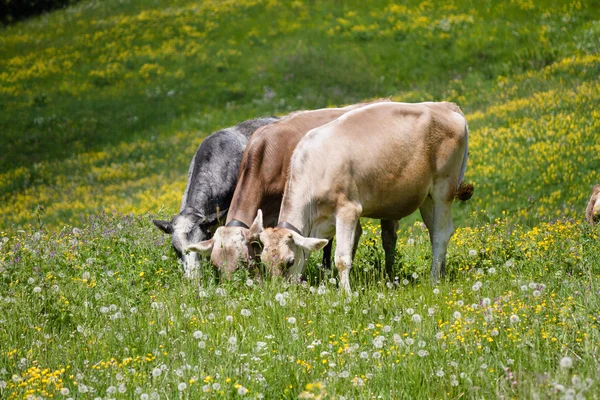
(249, 282)
(416, 318)
(436, 291)
(242, 390)
(514, 319)
(182, 386)
(456, 315)
(536, 293)
(491, 271)
(494, 332)
(232, 340)
(229, 318)
(245, 312)
(156, 372)
(65, 391)
(566, 362)
(410, 311)
(37, 289)
(472, 253)
(423, 353)
(486, 302)
(439, 373)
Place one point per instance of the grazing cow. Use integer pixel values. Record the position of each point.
(592, 212)
(262, 179)
(383, 161)
(212, 177)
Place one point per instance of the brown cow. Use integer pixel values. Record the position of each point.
(592, 212)
(262, 179)
(380, 161)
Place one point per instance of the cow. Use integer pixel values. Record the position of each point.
(592, 211)
(383, 161)
(212, 177)
(262, 179)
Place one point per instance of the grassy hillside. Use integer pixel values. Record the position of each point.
(103, 105)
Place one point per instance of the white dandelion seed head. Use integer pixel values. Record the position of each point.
(245, 312)
(278, 297)
(423, 353)
(232, 340)
(249, 282)
(416, 318)
(536, 293)
(439, 335)
(514, 319)
(405, 282)
(364, 354)
(494, 332)
(156, 372)
(376, 355)
(409, 341)
(198, 334)
(456, 315)
(524, 288)
(398, 339)
(439, 373)
(486, 301)
(566, 362)
(472, 253)
(242, 391)
(37, 289)
(229, 318)
(436, 291)
(387, 328)
(410, 311)
(491, 271)
(182, 386)
(291, 320)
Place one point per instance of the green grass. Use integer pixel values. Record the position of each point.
(102, 106)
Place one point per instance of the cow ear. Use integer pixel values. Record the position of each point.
(205, 247)
(256, 228)
(164, 226)
(310, 244)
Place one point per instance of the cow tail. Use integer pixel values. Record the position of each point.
(464, 189)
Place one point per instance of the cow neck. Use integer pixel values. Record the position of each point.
(246, 201)
(297, 209)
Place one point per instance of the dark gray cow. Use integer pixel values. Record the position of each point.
(212, 179)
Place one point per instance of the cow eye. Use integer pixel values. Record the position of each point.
(290, 262)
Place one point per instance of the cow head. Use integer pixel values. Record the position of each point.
(284, 250)
(592, 212)
(189, 227)
(230, 246)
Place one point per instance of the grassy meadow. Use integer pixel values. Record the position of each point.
(103, 105)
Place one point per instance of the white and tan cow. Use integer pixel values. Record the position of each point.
(384, 161)
(262, 180)
(592, 211)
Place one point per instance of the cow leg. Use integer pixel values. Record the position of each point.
(357, 235)
(441, 231)
(327, 255)
(389, 237)
(346, 227)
